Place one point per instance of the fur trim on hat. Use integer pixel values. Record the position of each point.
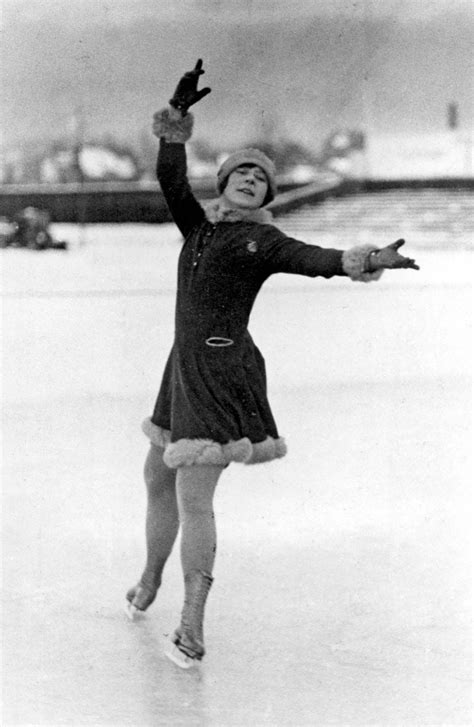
(215, 212)
(249, 156)
(187, 452)
(168, 124)
(354, 263)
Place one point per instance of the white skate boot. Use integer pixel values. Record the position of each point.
(139, 597)
(187, 643)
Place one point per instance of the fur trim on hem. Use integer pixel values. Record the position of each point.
(354, 263)
(187, 452)
(157, 435)
(168, 124)
(215, 213)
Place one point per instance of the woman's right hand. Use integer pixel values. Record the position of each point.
(186, 93)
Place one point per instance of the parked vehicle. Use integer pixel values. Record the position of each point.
(29, 228)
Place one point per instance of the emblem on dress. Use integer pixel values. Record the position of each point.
(252, 246)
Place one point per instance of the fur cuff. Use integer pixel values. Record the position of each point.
(354, 262)
(168, 124)
(187, 452)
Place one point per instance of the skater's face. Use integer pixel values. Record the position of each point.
(246, 187)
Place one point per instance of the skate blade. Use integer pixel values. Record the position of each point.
(179, 658)
(131, 611)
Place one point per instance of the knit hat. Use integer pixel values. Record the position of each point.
(255, 157)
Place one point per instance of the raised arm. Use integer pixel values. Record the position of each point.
(282, 254)
(173, 126)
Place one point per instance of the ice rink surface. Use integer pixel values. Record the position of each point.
(342, 583)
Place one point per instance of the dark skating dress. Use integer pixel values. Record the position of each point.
(212, 407)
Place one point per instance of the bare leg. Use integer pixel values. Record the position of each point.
(162, 525)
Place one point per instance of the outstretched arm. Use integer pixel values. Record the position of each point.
(173, 126)
(282, 254)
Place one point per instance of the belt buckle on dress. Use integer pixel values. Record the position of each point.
(219, 341)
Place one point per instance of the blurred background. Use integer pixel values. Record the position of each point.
(364, 87)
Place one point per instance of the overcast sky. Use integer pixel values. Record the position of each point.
(383, 64)
(90, 11)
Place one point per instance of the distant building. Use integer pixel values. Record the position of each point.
(419, 156)
(97, 162)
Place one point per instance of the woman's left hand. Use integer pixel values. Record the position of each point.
(389, 257)
(186, 93)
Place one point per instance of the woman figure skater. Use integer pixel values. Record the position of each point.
(212, 407)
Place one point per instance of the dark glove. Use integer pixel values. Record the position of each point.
(389, 257)
(186, 93)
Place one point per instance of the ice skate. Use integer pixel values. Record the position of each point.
(139, 597)
(179, 657)
(187, 643)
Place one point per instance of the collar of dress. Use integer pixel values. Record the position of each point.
(215, 213)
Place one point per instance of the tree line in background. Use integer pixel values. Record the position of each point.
(108, 160)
